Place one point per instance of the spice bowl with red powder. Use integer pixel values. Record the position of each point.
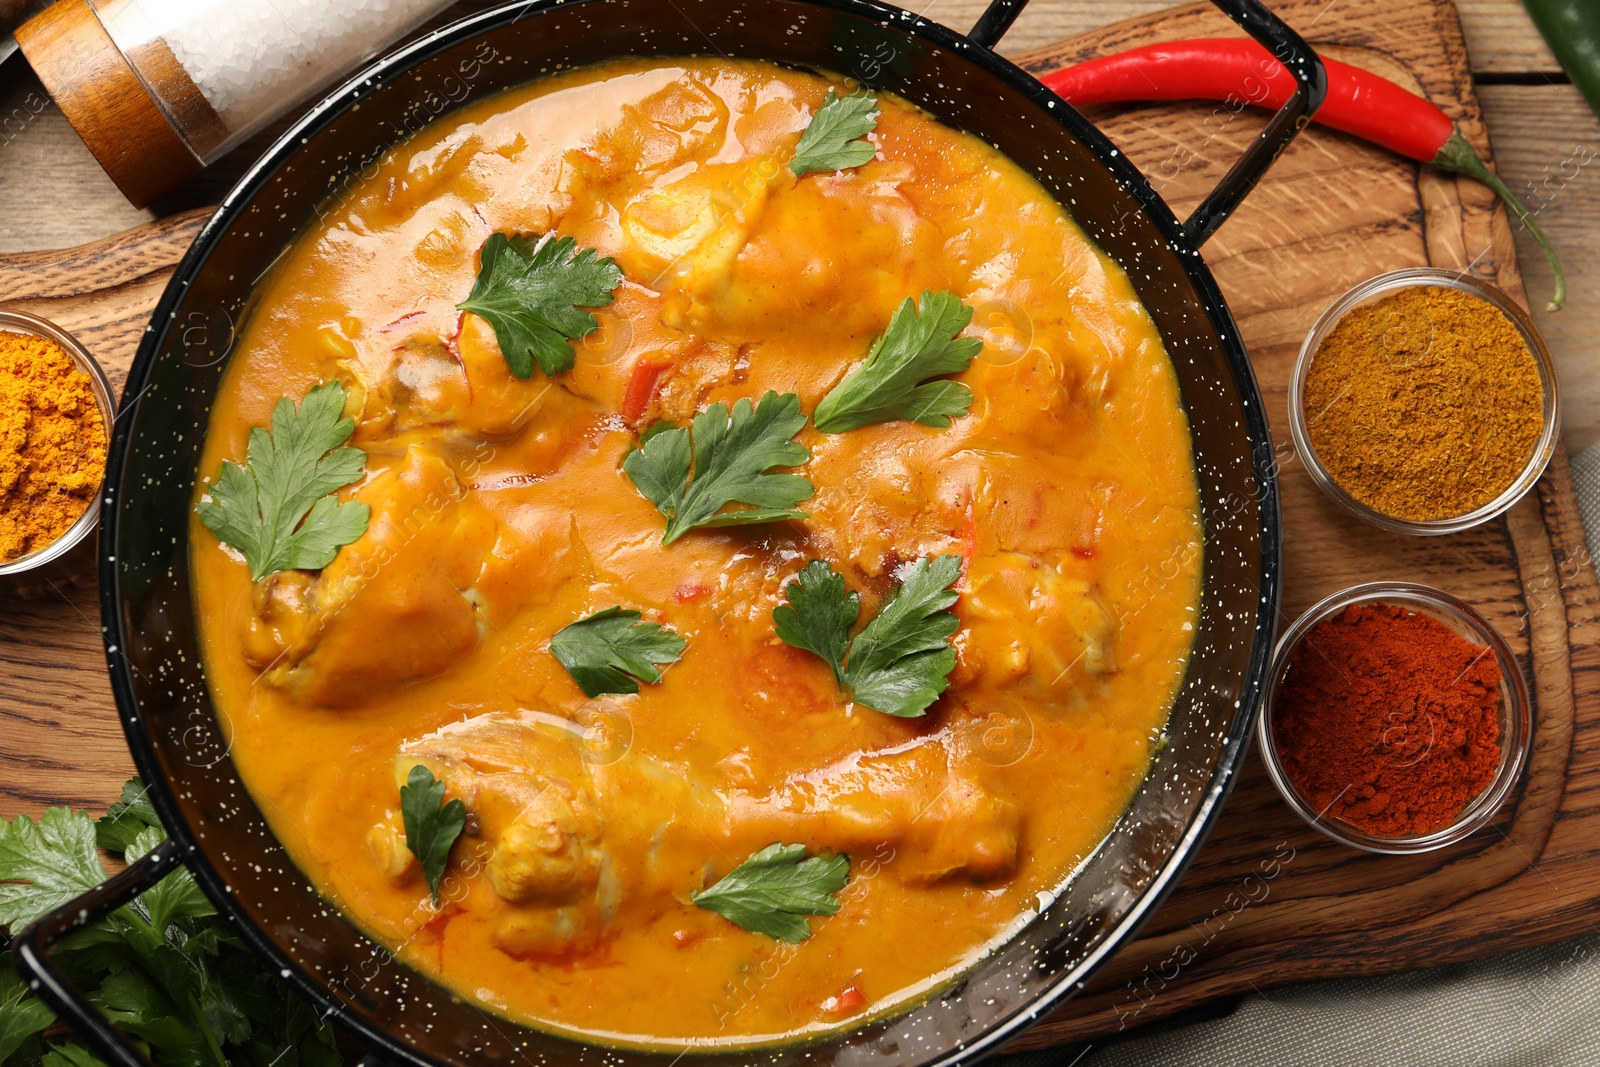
(1396, 720)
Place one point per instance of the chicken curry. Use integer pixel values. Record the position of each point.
(692, 554)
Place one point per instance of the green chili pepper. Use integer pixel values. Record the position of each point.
(1572, 29)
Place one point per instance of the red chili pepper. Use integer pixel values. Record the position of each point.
(847, 1002)
(641, 390)
(1239, 71)
(402, 320)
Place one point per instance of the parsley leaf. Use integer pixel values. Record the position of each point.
(44, 864)
(430, 828)
(819, 615)
(769, 892)
(70, 1056)
(278, 509)
(533, 295)
(176, 894)
(603, 650)
(899, 662)
(831, 140)
(125, 819)
(892, 383)
(21, 1015)
(691, 472)
(147, 1010)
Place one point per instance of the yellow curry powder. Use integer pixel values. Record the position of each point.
(52, 443)
(1424, 405)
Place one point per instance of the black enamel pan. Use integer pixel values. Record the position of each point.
(149, 617)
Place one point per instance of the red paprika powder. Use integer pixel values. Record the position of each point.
(1389, 720)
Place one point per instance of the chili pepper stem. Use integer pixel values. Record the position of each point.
(1458, 156)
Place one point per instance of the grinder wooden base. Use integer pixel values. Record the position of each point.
(129, 122)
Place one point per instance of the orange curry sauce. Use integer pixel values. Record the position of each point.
(500, 514)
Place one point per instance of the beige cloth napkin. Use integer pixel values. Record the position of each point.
(1534, 1008)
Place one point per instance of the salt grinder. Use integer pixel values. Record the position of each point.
(159, 88)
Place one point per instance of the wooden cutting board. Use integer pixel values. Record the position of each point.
(1268, 901)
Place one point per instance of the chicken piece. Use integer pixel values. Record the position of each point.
(681, 121)
(839, 252)
(1030, 622)
(685, 237)
(523, 780)
(916, 798)
(460, 385)
(577, 832)
(874, 509)
(395, 606)
(386, 841)
(421, 384)
(720, 241)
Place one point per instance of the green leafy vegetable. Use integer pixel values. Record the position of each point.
(607, 651)
(819, 615)
(430, 828)
(126, 819)
(172, 896)
(892, 383)
(534, 296)
(769, 892)
(21, 1015)
(70, 1056)
(165, 967)
(692, 472)
(44, 864)
(279, 509)
(898, 664)
(832, 140)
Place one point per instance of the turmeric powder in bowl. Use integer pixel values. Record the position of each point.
(1424, 401)
(52, 442)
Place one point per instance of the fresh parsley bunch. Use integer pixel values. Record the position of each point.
(165, 968)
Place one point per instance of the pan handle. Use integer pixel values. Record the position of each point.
(32, 953)
(1303, 64)
(994, 22)
(1288, 47)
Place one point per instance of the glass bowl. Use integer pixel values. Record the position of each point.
(22, 322)
(1516, 715)
(1373, 289)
